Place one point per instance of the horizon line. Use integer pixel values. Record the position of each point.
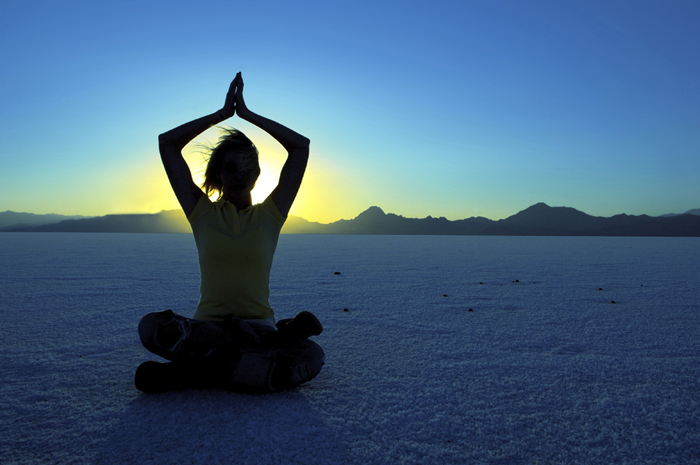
(363, 211)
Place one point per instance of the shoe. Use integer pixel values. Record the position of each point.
(302, 326)
(155, 376)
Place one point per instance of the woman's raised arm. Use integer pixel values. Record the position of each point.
(172, 142)
(296, 145)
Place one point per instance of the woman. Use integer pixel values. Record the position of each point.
(232, 340)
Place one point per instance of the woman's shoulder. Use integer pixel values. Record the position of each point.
(203, 205)
(270, 207)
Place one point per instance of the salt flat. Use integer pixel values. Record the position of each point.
(545, 368)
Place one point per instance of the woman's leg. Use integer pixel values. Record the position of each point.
(202, 354)
(232, 354)
(289, 358)
(181, 339)
(297, 363)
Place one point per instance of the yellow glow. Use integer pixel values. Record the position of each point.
(148, 190)
(265, 185)
(272, 158)
(328, 192)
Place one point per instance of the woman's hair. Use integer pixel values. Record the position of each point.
(248, 167)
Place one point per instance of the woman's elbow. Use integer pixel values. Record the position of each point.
(163, 140)
(167, 144)
(300, 153)
(304, 144)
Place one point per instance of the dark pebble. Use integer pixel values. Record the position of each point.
(600, 288)
(612, 301)
(444, 295)
(337, 272)
(471, 310)
(517, 280)
(346, 310)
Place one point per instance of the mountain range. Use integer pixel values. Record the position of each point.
(537, 220)
(10, 219)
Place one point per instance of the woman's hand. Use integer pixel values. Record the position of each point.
(229, 108)
(241, 108)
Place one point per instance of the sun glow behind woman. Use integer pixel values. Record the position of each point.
(320, 198)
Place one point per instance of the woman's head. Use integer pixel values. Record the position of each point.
(233, 166)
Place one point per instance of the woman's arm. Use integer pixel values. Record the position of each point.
(172, 142)
(296, 145)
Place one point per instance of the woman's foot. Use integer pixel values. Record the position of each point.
(302, 326)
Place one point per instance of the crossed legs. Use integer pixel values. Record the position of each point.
(231, 354)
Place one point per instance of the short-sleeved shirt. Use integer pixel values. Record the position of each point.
(235, 257)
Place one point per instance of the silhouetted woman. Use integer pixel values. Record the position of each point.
(232, 341)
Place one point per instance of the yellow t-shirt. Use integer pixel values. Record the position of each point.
(235, 257)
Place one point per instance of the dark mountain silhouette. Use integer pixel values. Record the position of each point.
(694, 211)
(543, 220)
(17, 219)
(171, 221)
(537, 220)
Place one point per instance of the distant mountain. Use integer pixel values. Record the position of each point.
(298, 225)
(543, 220)
(537, 220)
(694, 211)
(15, 220)
(170, 221)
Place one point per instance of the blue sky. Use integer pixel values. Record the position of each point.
(455, 109)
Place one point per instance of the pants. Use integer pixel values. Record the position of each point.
(232, 354)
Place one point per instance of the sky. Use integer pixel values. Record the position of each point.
(456, 109)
